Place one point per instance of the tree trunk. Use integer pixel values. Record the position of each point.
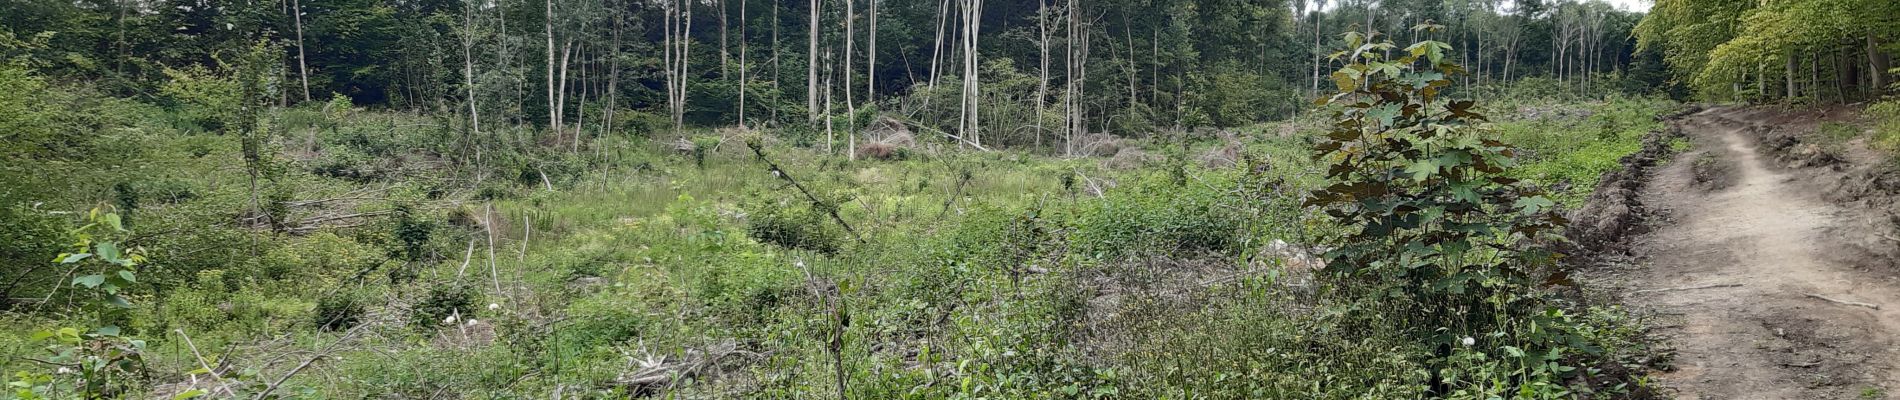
(560, 94)
(1876, 64)
(1789, 70)
(743, 77)
(811, 70)
(1316, 50)
(936, 52)
(468, 65)
(1042, 86)
(303, 69)
(723, 54)
(850, 106)
(554, 120)
(613, 74)
(870, 57)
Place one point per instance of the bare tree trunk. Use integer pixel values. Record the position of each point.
(613, 73)
(1316, 49)
(851, 107)
(1788, 68)
(1069, 86)
(1876, 64)
(554, 120)
(723, 54)
(580, 107)
(303, 69)
(971, 82)
(468, 65)
(811, 70)
(685, 55)
(778, 67)
(1042, 87)
(831, 138)
(743, 77)
(560, 94)
(936, 52)
(870, 57)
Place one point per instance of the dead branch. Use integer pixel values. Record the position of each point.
(759, 151)
(306, 363)
(207, 366)
(1718, 285)
(959, 139)
(1845, 302)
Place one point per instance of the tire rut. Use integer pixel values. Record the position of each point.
(1739, 275)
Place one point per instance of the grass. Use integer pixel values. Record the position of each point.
(1019, 282)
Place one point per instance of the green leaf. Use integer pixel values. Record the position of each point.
(73, 258)
(129, 276)
(110, 252)
(1533, 204)
(116, 301)
(90, 281)
(189, 394)
(108, 330)
(1422, 169)
(112, 220)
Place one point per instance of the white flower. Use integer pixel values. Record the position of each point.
(1468, 341)
(472, 322)
(64, 370)
(449, 320)
(493, 306)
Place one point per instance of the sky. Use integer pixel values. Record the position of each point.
(1632, 5)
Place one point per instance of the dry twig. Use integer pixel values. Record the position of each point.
(1845, 302)
(1699, 287)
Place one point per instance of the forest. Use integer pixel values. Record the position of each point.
(952, 199)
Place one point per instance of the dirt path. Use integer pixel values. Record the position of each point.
(1767, 338)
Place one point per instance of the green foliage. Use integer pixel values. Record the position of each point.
(792, 225)
(445, 304)
(1161, 216)
(339, 312)
(1435, 228)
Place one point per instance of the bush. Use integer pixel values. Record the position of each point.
(339, 312)
(1161, 216)
(792, 225)
(442, 302)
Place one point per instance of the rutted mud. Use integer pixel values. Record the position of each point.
(1753, 279)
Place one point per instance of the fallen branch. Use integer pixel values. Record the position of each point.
(306, 363)
(1845, 302)
(960, 139)
(759, 151)
(215, 374)
(1718, 285)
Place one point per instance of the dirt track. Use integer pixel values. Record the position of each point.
(1735, 273)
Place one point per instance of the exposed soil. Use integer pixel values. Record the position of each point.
(1751, 278)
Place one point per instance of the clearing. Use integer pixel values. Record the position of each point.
(1752, 280)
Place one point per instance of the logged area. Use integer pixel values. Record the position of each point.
(871, 199)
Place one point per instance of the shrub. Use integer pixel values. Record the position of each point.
(1159, 216)
(339, 312)
(442, 302)
(792, 225)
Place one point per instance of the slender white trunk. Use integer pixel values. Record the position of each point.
(560, 93)
(743, 77)
(850, 106)
(811, 70)
(936, 52)
(870, 57)
(303, 70)
(554, 120)
(1042, 86)
(468, 65)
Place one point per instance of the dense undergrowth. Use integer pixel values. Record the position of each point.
(409, 269)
